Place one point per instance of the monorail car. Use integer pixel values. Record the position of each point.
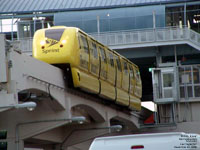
(94, 67)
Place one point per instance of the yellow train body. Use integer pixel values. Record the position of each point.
(94, 67)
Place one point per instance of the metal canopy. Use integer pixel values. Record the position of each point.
(29, 6)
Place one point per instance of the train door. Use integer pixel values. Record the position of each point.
(165, 84)
(94, 58)
(94, 65)
(111, 75)
(84, 52)
(135, 102)
(107, 89)
(118, 67)
(138, 83)
(167, 76)
(125, 72)
(111, 68)
(132, 80)
(103, 70)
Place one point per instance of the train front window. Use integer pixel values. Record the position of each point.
(54, 34)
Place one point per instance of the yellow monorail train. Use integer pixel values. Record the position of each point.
(94, 67)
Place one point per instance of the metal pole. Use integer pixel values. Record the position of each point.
(175, 54)
(185, 17)
(12, 28)
(98, 25)
(34, 27)
(1, 26)
(154, 25)
(154, 19)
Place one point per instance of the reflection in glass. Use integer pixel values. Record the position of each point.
(168, 93)
(197, 91)
(168, 79)
(188, 72)
(196, 74)
(189, 90)
(182, 92)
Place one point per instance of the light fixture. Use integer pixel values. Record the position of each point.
(116, 127)
(79, 119)
(29, 105)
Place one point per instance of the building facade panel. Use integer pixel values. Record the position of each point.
(113, 19)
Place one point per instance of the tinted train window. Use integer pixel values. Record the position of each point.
(54, 34)
(103, 56)
(137, 75)
(95, 53)
(125, 68)
(84, 43)
(111, 59)
(131, 71)
(118, 64)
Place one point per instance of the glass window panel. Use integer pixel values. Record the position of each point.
(85, 44)
(168, 93)
(111, 59)
(131, 72)
(188, 72)
(118, 64)
(196, 74)
(189, 90)
(95, 53)
(118, 19)
(181, 72)
(168, 79)
(103, 55)
(125, 68)
(182, 92)
(197, 91)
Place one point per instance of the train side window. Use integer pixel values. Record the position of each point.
(84, 43)
(103, 55)
(118, 64)
(137, 75)
(111, 59)
(95, 53)
(125, 67)
(131, 72)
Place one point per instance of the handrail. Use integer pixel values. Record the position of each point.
(136, 37)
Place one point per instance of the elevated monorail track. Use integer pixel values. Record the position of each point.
(23, 78)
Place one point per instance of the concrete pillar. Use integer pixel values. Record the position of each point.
(158, 56)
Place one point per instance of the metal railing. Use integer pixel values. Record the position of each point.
(148, 36)
(135, 37)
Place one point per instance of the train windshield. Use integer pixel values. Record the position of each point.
(54, 34)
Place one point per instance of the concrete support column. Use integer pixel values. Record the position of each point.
(158, 56)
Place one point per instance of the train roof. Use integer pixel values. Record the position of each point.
(29, 6)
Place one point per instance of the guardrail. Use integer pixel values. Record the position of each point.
(135, 37)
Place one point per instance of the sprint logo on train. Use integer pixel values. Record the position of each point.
(51, 42)
(47, 46)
